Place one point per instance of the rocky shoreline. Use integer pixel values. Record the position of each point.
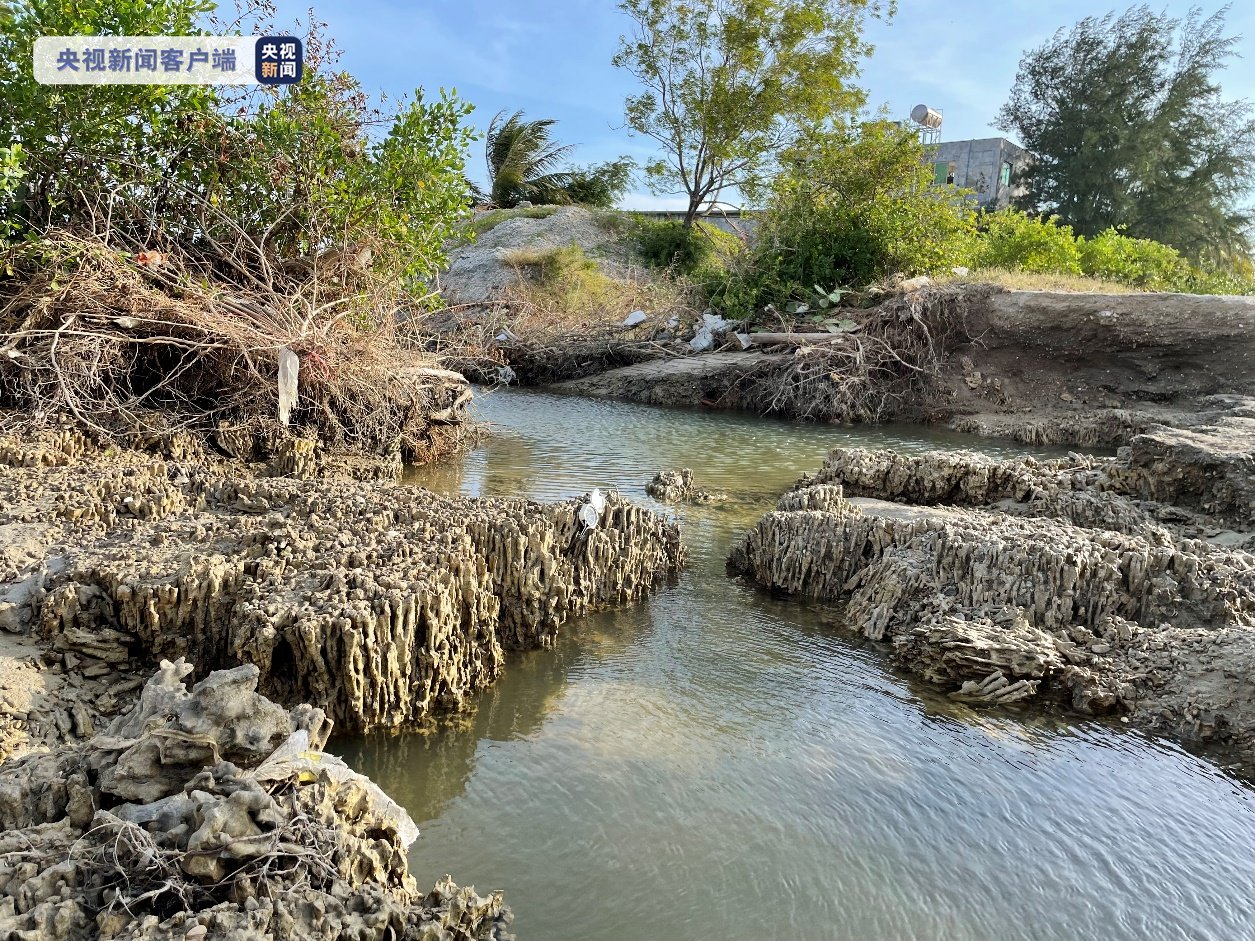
(365, 604)
(1119, 586)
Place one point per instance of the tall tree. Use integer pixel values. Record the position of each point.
(728, 84)
(522, 157)
(1128, 126)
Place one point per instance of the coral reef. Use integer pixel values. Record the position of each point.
(1110, 585)
(381, 604)
(678, 487)
(213, 814)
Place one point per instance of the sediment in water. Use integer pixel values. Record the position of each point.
(1119, 585)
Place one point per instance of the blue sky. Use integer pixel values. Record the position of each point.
(551, 58)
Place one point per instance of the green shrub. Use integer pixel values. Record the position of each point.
(1017, 242)
(1139, 262)
(601, 185)
(851, 207)
(487, 221)
(704, 253)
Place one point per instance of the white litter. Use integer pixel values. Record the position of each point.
(716, 324)
(506, 375)
(744, 340)
(635, 318)
(961, 270)
(294, 759)
(702, 341)
(914, 284)
(289, 368)
(597, 500)
(588, 516)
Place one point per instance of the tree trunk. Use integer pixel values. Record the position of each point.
(690, 214)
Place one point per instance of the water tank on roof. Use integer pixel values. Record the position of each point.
(926, 116)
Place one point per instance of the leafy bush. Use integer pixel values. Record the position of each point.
(1018, 242)
(666, 243)
(11, 174)
(851, 207)
(1140, 262)
(208, 169)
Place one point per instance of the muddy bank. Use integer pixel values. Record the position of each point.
(1111, 586)
(1043, 368)
(212, 813)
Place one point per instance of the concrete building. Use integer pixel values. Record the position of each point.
(988, 166)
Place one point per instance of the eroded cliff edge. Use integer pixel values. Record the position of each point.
(1111, 585)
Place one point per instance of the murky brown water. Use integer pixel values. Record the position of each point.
(719, 764)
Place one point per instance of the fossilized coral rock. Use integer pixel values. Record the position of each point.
(381, 604)
(1011, 579)
(281, 841)
(678, 487)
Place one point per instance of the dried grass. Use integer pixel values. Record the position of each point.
(131, 343)
(871, 372)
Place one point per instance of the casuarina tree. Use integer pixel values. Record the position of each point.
(1129, 128)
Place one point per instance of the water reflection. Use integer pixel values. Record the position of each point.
(720, 763)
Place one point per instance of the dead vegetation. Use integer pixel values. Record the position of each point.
(142, 343)
(869, 371)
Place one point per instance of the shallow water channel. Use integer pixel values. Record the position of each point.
(719, 764)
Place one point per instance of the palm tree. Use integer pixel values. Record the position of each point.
(521, 160)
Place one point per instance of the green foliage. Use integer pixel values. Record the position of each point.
(487, 221)
(208, 169)
(668, 243)
(1012, 241)
(601, 185)
(303, 170)
(522, 159)
(1128, 127)
(854, 205)
(78, 139)
(1019, 242)
(11, 175)
(728, 83)
(1139, 262)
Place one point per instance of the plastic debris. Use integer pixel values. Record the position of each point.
(744, 340)
(914, 284)
(506, 375)
(589, 516)
(703, 340)
(289, 369)
(961, 270)
(597, 500)
(635, 318)
(716, 324)
(296, 760)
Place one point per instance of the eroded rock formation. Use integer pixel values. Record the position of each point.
(212, 814)
(1108, 584)
(678, 487)
(381, 604)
